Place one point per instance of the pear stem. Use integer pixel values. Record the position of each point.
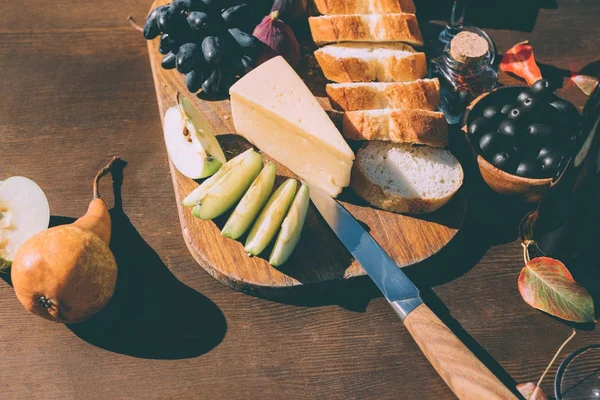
(101, 173)
(132, 22)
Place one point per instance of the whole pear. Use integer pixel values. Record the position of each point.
(68, 273)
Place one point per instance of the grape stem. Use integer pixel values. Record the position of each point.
(132, 22)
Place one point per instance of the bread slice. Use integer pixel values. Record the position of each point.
(366, 28)
(365, 6)
(422, 94)
(365, 62)
(398, 125)
(405, 178)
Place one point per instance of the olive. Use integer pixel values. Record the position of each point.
(530, 104)
(525, 152)
(506, 109)
(515, 113)
(491, 112)
(544, 151)
(523, 95)
(568, 113)
(541, 87)
(528, 169)
(508, 128)
(546, 114)
(478, 125)
(552, 160)
(504, 160)
(490, 143)
(540, 133)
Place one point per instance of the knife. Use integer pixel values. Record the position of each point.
(464, 373)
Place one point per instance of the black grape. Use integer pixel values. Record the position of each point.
(243, 39)
(170, 19)
(193, 80)
(211, 85)
(237, 15)
(213, 48)
(188, 57)
(198, 21)
(168, 61)
(151, 29)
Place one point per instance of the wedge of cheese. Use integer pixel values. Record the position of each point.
(276, 112)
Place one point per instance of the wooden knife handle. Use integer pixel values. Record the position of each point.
(464, 373)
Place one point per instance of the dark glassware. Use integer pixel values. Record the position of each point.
(456, 22)
(557, 225)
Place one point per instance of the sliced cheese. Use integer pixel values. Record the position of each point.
(275, 111)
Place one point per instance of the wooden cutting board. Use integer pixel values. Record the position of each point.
(319, 257)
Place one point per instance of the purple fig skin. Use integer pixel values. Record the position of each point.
(291, 10)
(279, 38)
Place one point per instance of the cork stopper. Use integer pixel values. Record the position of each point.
(468, 47)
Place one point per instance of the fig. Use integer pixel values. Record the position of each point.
(291, 10)
(253, 201)
(279, 38)
(68, 273)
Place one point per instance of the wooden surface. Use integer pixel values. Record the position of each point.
(77, 88)
(320, 256)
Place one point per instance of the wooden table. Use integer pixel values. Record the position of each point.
(76, 89)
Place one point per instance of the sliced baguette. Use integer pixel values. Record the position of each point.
(365, 62)
(422, 94)
(365, 6)
(405, 178)
(366, 28)
(398, 125)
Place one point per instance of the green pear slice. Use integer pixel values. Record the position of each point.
(291, 228)
(199, 127)
(194, 197)
(24, 211)
(185, 151)
(253, 201)
(228, 190)
(269, 220)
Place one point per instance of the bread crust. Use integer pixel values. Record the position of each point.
(365, 6)
(407, 67)
(379, 197)
(397, 125)
(360, 28)
(419, 95)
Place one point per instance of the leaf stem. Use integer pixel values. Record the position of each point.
(526, 252)
(562, 346)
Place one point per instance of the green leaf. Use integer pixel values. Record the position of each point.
(546, 284)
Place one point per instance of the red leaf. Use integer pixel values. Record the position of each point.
(519, 60)
(526, 389)
(546, 284)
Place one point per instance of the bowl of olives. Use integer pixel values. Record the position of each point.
(520, 137)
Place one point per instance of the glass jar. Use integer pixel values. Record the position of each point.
(464, 75)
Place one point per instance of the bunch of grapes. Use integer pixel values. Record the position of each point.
(209, 41)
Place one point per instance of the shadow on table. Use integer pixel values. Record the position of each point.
(514, 15)
(152, 314)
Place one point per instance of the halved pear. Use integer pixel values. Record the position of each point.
(228, 190)
(269, 220)
(24, 212)
(253, 201)
(185, 151)
(291, 228)
(199, 127)
(194, 197)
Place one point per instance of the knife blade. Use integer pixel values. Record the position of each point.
(464, 373)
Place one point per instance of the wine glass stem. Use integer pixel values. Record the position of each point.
(457, 18)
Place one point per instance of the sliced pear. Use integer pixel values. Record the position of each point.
(185, 151)
(199, 127)
(253, 201)
(269, 220)
(291, 228)
(194, 197)
(24, 212)
(228, 190)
